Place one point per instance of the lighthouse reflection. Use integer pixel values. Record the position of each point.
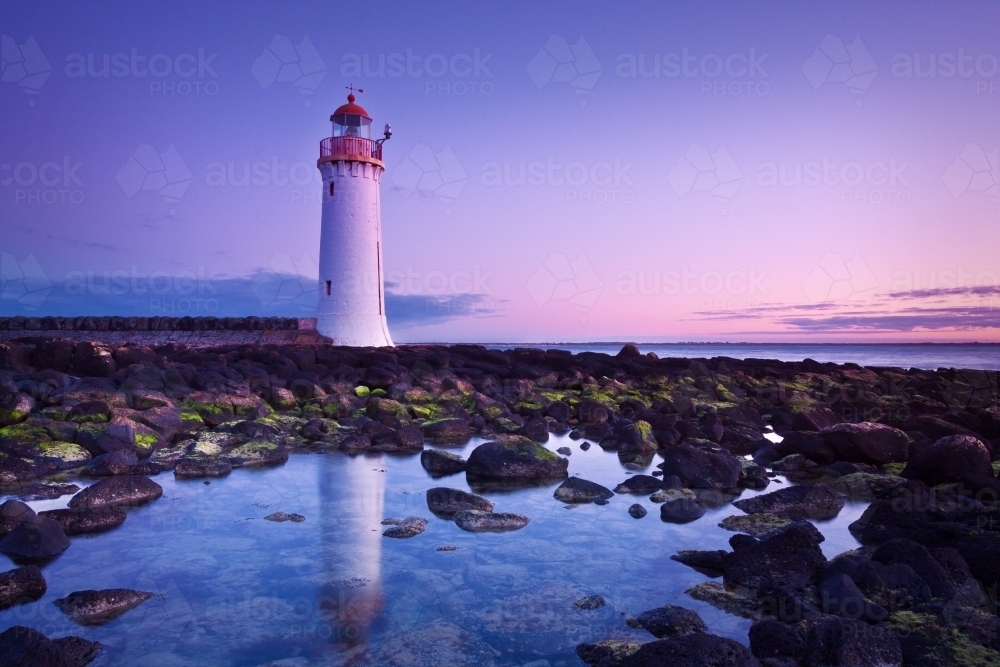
(352, 491)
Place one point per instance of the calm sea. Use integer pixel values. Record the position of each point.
(926, 355)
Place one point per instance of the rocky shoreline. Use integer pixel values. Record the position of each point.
(920, 446)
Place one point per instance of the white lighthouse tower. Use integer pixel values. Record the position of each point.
(351, 307)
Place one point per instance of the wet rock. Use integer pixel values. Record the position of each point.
(637, 438)
(788, 551)
(850, 643)
(792, 463)
(565, 451)
(693, 650)
(446, 502)
(840, 596)
(257, 453)
(16, 409)
(404, 528)
(918, 557)
(804, 501)
(26, 647)
(584, 446)
(636, 511)
(20, 586)
(536, 429)
(950, 459)
(669, 621)
(438, 462)
(280, 517)
(706, 561)
(90, 411)
(809, 444)
(13, 512)
(608, 653)
(118, 462)
(86, 520)
(122, 490)
(97, 607)
(492, 522)
(356, 442)
(867, 442)
(448, 430)
(578, 490)
(640, 484)
(866, 486)
(590, 602)
(699, 465)
(166, 421)
(815, 418)
(515, 456)
(731, 602)
(681, 510)
(198, 467)
(759, 525)
(36, 538)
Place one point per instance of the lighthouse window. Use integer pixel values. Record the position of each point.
(329, 284)
(331, 188)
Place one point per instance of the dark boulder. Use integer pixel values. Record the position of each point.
(809, 444)
(446, 502)
(636, 511)
(197, 467)
(641, 485)
(804, 501)
(536, 429)
(681, 510)
(22, 585)
(846, 642)
(34, 539)
(26, 647)
(792, 550)
(669, 621)
(701, 466)
(694, 650)
(97, 607)
(814, 419)
(438, 462)
(917, 556)
(118, 462)
(87, 520)
(867, 442)
(577, 490)
(516, 457)
(122, 490)
(13, 512)
(448, 430)
(949, 460)
(637, 438)
(840, 596)
(476, 521)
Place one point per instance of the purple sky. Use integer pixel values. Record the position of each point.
(781, 171)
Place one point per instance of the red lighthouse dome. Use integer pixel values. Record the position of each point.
(350, 109)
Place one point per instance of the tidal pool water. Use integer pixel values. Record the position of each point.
(234, 589)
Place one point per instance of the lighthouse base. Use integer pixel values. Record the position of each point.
(354, 330)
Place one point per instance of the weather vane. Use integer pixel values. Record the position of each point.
(352, 89)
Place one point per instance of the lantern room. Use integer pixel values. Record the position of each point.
(351, 120)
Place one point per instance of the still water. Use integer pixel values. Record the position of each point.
(234, 589)
(980, 356)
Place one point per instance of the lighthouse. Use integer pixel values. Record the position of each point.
(351, 309)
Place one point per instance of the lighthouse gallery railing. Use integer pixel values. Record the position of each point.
(350, 146)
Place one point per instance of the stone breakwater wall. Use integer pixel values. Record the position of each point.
(153, 331)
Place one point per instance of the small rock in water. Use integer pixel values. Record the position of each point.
(438, 462)
(447, 547)
(577, 490)
(584, 446)
(446, 502)
(96, 607)
(807, 502)
(493, 522)
(637, 511)
(640, 484)
(758, 525)
(25, 584)
(590, 602)
(403, 528)
(565, 451)
(682, 510)
(281, 516)
(12, 513)
(26, 646)
(129, 490)
(35, 538)
(87, 520)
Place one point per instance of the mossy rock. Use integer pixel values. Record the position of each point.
(362, 391)
(865, 486)
(61, 455)
(894, 468)
(23, 435)
(55, 412)
(926, 637)
(730, 602)
(191, 420)
(378, 393)
(258, 452)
